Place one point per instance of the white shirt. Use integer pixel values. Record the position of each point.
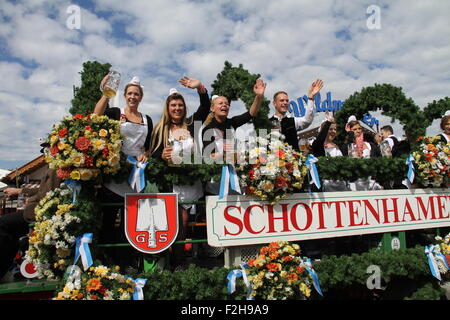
(301, 122)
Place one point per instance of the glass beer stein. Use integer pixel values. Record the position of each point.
(112, 85)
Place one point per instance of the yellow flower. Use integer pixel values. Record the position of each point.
(98, 144)
(77, 160)
(75, 174)
(103, 133)
(61, 145)
(85, 174)
(305, 290)
(53, 139)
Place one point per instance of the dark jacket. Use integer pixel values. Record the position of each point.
(318, 148)
(49, 182)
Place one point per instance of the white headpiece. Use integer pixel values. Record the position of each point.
(447, 113)
(351, 118)
(172, 91)
(214, 96)
(135, 80)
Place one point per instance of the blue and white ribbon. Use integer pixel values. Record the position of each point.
(75, 187)
(82, 250)
(229, 179)
(314, 276)
(410, 163)
(429, 251)
(137, 175)
(238, 273)
(311, 164)
(138, 292)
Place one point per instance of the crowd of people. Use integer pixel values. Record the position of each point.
(175, 133)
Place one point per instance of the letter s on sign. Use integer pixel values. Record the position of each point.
(228, 217)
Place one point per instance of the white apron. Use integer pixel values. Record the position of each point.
(133, 145)
(186, 192)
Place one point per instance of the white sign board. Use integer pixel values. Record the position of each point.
(241, 220)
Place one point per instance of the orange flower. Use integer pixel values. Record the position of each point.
(273, 267)
(274, 246)
(82, 143)
(287, 258)
(299, 269)
(93, 284)
(54, 150)
(62, 132)
(273, 255)
(292, 277)
(264, 250)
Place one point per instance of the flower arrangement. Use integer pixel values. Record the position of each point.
(81, 147)
(432, 162)
(443, 247)
(279, 272)
(58, 223)
(98, 283)
(270, 169)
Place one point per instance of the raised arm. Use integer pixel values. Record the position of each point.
(305, 121)
(205, 104)
(259, 89)
(101, 104)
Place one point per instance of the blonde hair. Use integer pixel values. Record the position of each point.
(211, 114)
(141, 91)
(161, 130)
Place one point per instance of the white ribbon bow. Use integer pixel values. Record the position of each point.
(311, 164)
(229, 179)
(137, 175)
(82, 250)
(429, 251)
(237, 273)
(138, 292)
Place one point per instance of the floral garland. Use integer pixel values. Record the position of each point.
(58, 223)
(270, 169)
(432, 162)
(98, 283)
(82, 147)
(279, 272)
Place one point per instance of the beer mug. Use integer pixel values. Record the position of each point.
(352, 152)
(229, 148)
(21, 201)
(112, 85)
(385, 149)
(177, 148)
(304, 146)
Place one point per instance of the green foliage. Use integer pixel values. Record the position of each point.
(429, 291)
(237, 83)
(381, 169)
(195, 283)
(346, 273)
(158, 173)
(435, 110)
(346, 270)
(393, 103)
(87, 95)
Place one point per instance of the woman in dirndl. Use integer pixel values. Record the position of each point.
(173, 141)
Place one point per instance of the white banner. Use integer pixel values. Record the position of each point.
(241, 220)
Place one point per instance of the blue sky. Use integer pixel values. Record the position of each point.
(289, 42)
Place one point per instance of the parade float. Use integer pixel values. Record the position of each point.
(277, 213)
